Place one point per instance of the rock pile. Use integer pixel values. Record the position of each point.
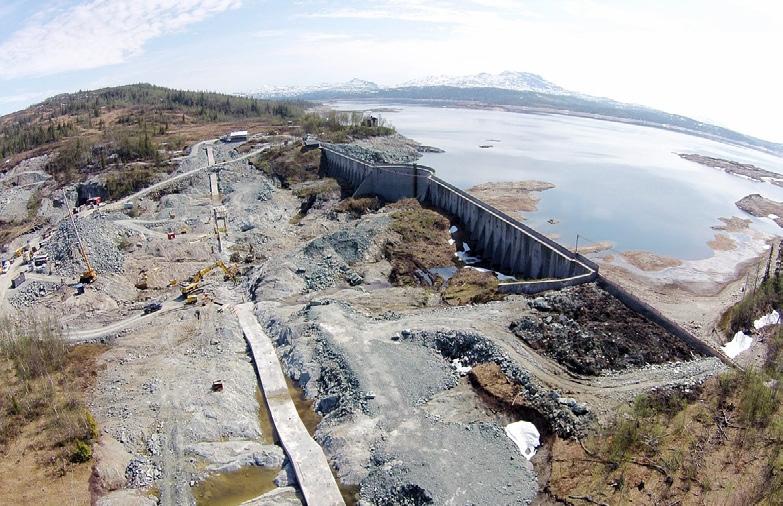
(28, 293)
(589, 331)
(101, 239)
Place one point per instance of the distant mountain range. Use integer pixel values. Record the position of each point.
(515, 91)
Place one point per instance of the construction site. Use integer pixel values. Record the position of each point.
(268, 337)
(260, 327)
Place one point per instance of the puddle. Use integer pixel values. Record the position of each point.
(304, 407)
(311, 419)
(230, 489)
(350, 493)
(268, 432)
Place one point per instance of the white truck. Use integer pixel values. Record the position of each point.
(40, 262)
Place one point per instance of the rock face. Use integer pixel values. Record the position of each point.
(111, 461)
(762, 207)
(228, 456)
(589, 331)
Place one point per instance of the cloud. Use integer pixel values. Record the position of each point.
(97, 33)
(27, 97)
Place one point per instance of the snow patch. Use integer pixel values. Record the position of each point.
(526, 437)
(772, 318)
(466, 259)
(462, 370)
(741, 342)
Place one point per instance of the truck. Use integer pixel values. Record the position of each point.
(152, 307)
(5, 266)
(40, 262)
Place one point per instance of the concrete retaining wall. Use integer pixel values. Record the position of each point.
(504, 242)
(509, 245)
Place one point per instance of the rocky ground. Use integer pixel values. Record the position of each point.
(389, 149)
(762, 207)
(511, 197)
(414, 394)
(731, 167)
(589, 331)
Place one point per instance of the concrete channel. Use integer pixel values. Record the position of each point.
(312, 470)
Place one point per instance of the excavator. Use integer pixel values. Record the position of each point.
(89, 275)
(191, 287)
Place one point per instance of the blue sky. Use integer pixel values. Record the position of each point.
(716, 60)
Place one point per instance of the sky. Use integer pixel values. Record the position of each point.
(714, 60)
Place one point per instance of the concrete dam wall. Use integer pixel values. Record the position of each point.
(507, 244)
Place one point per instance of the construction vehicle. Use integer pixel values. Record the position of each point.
(191, 299)
(89, 275)
(192, 285)
(40, 262)
(152, 307)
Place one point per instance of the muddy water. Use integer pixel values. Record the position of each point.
(311, 419)
(268, 432)
(230, 489)
(304, 407)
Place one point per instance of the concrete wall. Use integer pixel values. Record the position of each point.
(507, 244)
(511, 246)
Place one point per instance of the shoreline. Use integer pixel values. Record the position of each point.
(549, 112)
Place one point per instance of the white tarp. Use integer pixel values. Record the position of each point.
(770, 319)
(526, 437)
(740, 343)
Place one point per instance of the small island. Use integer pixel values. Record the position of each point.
(736, 168)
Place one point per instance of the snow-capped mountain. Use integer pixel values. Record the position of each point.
(517, 81)
(354, 86)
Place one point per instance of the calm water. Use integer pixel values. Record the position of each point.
(616, 182)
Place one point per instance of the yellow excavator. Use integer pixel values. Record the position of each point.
(89, 275)
(191, 286)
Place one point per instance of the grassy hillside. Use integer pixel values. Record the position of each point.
(128, 133)
(132, 121)
(717, 443)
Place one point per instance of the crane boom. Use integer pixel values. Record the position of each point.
(89, 275)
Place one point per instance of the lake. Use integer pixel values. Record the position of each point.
(617, 182)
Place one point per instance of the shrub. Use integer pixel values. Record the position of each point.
(470, 286)
(758, 402)
(423, 244)
(129, 180)
(625, 436)
(34, 203)
(356, 207)
(321, 188)
(82, 452)
(35, 348)
(290, 164)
